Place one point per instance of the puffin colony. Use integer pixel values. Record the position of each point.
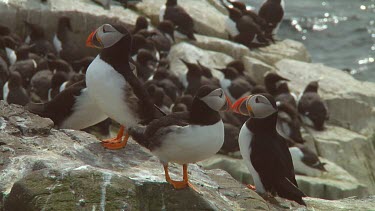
(182, 118)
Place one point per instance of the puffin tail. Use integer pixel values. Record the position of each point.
(138, 135)
(37, 108)
(290, 191)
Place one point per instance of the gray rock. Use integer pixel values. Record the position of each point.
(350, 150)
(335, 184)
(351, 103)
(207, 19)
(256, 68)
(281, 50)
(348, 204)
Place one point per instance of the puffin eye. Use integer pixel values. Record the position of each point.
(104, 31)
(257, 100)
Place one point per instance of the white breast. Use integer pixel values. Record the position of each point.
(225, 84)
(161, 13)
(191, 143)
(85, 113)
(63, 86)
(5, 91)
(107, 88)
(57, 43)
(11, 54)
(231, 27)
(244, 141)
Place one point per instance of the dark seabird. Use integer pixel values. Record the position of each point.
(146, 64)
(270, 81)
(37, 36)
(57, 80)
(140, 24)
(264, 151)
(313, 109)
(283, 94)
(184, 23)
(305, 161)
(272, 11)
(187, 137)
(40, 83)
(13, 91)
(163, 37)
(289, 124)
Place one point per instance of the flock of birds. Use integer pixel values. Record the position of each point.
(175, 116)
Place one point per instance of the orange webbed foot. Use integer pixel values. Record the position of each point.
(251, 187)
(116, 143)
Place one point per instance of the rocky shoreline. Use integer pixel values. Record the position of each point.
(42, 166)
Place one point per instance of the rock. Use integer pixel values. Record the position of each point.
(353, 152)
(207, 19)
(84, 14)
(70, 170)
(256, 68)
(281, 50)
(235, 50)
(347, 204)
(335, 184)
(192, 53)
(351, 103)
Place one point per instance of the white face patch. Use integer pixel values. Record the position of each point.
(261, 106)
(108, 35)
(215, 99)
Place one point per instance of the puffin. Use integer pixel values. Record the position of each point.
(112, 85)
(313, 109)
(71, 109)
(184, 23)
(13, 91)
(264, 150)
(186, 137)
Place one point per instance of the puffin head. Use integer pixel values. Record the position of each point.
(214, 98)
(108, 35)
(256, 106)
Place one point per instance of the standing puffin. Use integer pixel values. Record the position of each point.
(112, 84)
(264, 151)
(187, 137)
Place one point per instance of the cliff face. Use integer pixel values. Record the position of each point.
(68, 170)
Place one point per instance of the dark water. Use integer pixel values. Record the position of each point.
(338, 33)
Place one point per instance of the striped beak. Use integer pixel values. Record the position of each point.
(93, 41)
(241, 107)
(227, 106)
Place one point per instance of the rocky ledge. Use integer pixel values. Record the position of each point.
(47, 169)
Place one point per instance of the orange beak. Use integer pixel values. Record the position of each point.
(227, 106)
(241, 107)
(93, 41)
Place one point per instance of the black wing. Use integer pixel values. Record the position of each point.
(181, 19)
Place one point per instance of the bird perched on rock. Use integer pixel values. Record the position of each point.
(37, 36)
(272, 11)
(40, 83)
(183, 22)
(163, 37)
(187, 137)
(13, 91)
(289, 124)
(64, 42)
(305, 161)
(112, 84)
(57, 80)
(270, 81)
(284, 94)
(146, 65)
(313, 109)
(140, 24)
(264, 151)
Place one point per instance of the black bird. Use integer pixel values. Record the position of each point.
(163, 37)
(140, 24)
(57, 80)
(182, 20)
(306, 161)
(65, 43)
(264, 150)
(40, 83)
(37, 36)
(27, 68)
(13, 91)
(146, 64)
(312, 108)
(234, 84)
(289, 124)
(272, 11)
(284, 94)
(270, 81)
